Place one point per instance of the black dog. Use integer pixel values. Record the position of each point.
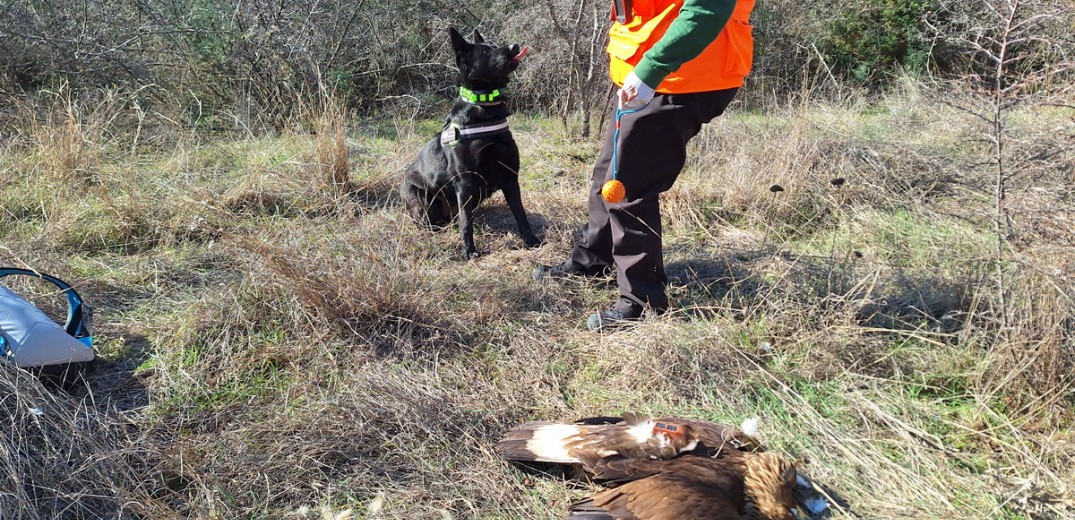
(475, 154)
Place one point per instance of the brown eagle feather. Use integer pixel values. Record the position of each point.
(668, 468)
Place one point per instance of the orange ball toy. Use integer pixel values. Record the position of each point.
(613, 191)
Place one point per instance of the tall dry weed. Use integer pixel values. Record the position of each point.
(65, 147)
(1031, 358)
(332, 155)
(71, 134)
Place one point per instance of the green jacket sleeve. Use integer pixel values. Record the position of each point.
(698, 24)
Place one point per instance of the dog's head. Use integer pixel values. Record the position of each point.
(483, 65)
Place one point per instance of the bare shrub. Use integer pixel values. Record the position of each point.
(567, 73)
(87, 45)
(1015, 55)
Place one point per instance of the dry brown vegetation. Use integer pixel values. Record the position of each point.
(277, 340)
(272, 350)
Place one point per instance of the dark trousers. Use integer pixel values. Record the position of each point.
(652, 151)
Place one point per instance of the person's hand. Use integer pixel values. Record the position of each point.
(635, 94)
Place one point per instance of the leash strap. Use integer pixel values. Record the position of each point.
(616, 140)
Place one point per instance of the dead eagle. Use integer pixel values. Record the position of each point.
(663, 469)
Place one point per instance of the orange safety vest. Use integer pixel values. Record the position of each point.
(722, 65)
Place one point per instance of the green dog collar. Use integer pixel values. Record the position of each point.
(484, 97)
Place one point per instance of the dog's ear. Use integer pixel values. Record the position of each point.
(458, 43)
(477, 36)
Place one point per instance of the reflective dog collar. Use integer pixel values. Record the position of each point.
(453, 133)
(481, 97)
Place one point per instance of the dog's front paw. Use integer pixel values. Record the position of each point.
(471, 254)
(531, 240)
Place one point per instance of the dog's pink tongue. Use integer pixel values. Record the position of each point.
(522, 54)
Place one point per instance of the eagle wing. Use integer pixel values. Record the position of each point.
(617, 469)
(686, 487)
(668, 468)
(589, 441)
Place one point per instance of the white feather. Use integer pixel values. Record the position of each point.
(750, 426)
(642, 431)
(547, 443)
(376, 505)
(689, 447)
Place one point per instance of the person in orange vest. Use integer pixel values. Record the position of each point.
(678, 63)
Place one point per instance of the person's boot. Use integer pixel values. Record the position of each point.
(565, 270)
(620, 315)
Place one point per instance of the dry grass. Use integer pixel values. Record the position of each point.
(332, 147)
(275, 345)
